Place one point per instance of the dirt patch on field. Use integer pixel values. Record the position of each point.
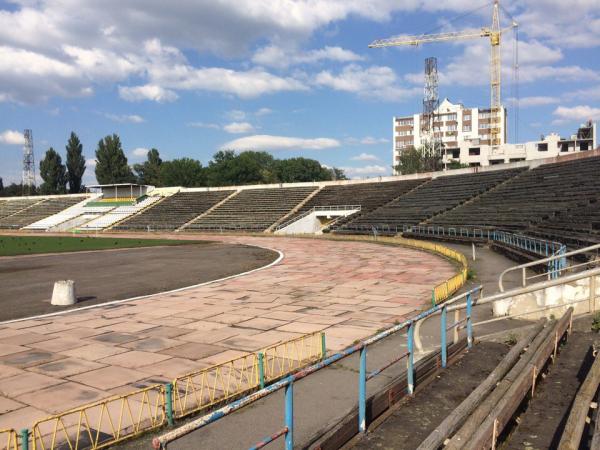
(412, 422)
(26, 282)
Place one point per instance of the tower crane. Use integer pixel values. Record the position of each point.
(494, 33)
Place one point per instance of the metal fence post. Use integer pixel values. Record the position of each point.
(362, 391)
(433, 297)
(469, 320)
(289, 416)
(443, 336)
(169, 403)
(261, 369)
(323, 346)
(410, 373)
(24, 439)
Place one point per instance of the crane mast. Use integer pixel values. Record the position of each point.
(494, 33)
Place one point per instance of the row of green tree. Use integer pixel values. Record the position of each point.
(225, 169)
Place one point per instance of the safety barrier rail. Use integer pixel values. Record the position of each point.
(288, 383)
(107, 422)
(547, 262)
(355, 208)
(102, 423)
(530, 244)
(207, 387)
(8, 439)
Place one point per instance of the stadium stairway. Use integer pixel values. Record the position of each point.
(294, 211)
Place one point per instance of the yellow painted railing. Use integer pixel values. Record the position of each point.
(207, 387)
(8, 440)
(281, 359)
(102, 423)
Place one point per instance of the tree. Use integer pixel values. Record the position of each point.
(75, 163)
(424, 159)
(54, 174)
(149, 171)
(301, 169)
(111, 162)
(185, 172)
(410, 161)
(1, 186)
(457, 165)
(338, 174)
(227, 168)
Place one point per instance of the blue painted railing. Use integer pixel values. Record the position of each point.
(530, 244)
(288, 383)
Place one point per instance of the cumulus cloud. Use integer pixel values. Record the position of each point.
(238, 127)
(268, 142)
(12, 137)
(147, 92)
(365, 157)
(578, 113)
(125, 118)
(279, 57)
(139, 152)
(366, 171)
(90, 163)
(379, 82)
(367, 140)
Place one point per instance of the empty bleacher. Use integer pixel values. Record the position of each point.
(531, 198)
(368, 195)
(252, 209)
(174, 211)
(62, 216)
(39, 210)
(10, 207)
(117, 214)
(431, 198)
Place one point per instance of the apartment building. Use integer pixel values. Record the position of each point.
(453, 125)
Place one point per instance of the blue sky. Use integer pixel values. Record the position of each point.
(293, 77)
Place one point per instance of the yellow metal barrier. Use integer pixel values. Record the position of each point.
(102, 423)
(206, 387)
(9, 440)
(284, 358)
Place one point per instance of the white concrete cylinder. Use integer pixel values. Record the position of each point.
(64, 293)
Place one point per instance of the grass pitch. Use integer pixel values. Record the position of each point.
(31, 245)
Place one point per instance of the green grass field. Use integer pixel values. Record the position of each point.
(30, 245)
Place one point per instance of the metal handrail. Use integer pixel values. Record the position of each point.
(554, 257)
(315, 209)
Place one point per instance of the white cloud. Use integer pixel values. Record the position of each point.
(578, 113)
(125, 118)
(139, 152)
(236, 114)
(526, 102)
(12, 137)
(379, 82)
(213, 126)
(275, 56)
(365, 157)
(90, 163)
(373, 170)
(268, 142)
(147, 92)
(367, 140)
(238, 127)
(263, 112)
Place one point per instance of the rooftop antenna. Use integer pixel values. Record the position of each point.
(28, 180)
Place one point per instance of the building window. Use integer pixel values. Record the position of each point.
(467, 118)
(542, 147)
(404, 122)
(583, 146)
(451, 116)
(474, 151)
(484, 125)
(455, 153)
(451, 127)
(466, 127)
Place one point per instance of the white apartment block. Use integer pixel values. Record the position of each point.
(453, 124)
(465, 135)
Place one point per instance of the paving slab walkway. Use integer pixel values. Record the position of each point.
(347, 289)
